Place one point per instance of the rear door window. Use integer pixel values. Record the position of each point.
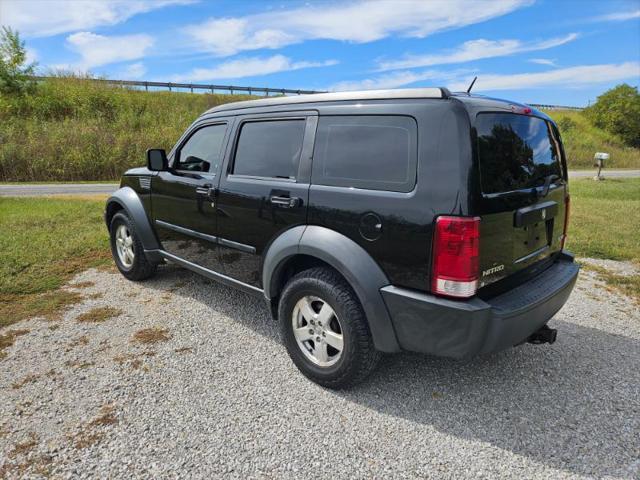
(366, 151)
(515, 152)
(269, 149)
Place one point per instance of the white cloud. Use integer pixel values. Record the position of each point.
(355, 21)
(544, 61)
(398, 79)
(476, 50)
(459, 80)
(571, 77)
(97, 50)
(32, 55)
(42, 18)
(248, 67)
(617, 16)
(133, 71)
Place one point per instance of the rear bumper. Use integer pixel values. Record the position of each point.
(462, 329)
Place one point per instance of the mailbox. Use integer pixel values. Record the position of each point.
(598, 161)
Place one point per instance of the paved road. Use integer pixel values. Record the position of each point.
(34, 190)
(31, 190)
(605, 173)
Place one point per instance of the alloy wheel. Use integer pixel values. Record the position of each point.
(317, 331)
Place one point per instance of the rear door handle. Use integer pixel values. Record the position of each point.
(286, 202)
(207, 191)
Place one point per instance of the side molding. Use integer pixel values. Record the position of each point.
(347, 257)
(128, 199)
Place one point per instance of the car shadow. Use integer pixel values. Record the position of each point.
(572, 406)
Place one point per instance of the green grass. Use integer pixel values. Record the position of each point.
(582, 140)
(605, 219)
(43, 243)
(72, 129)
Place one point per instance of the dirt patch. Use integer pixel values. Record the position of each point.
(48, 306)
(79, 364)
(31, 378)
(620, 277)
(184, 350)
(107, 417)
(99, 314)
(24, 447)
(151, 335)
(8, 339)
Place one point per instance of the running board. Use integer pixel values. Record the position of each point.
(218, 277)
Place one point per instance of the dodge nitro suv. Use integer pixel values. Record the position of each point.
(371, 222)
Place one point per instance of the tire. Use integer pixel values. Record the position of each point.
(330, 367)
(139, 267)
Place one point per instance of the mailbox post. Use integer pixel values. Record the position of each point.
(598, 161)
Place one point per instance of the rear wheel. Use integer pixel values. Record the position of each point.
(325, 330)
(127, 250)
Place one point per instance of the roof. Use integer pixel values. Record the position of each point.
(400, 93)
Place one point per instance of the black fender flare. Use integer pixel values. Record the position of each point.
(129, 200)
(353, 262)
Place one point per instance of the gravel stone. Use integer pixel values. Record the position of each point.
(220, 396)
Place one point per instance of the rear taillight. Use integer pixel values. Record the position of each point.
(456, 246)
(567, 202)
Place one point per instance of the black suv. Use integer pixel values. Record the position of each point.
(371, 222)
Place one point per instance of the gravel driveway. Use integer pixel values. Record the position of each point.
(213, 393)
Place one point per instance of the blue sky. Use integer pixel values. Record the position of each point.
(538, 51)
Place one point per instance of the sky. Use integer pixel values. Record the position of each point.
(564, 52)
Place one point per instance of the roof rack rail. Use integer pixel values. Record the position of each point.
(445, 92)
(391, 94)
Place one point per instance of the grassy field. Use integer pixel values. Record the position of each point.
(605, 219)
(582, 140)
(72, 130)
(45, 241)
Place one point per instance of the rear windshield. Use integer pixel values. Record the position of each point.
(515, 152)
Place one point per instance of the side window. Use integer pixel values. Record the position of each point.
(366, 151)
(203, 150)
(269, 148)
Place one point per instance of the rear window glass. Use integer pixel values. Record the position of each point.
(366, 151)
(515, 152)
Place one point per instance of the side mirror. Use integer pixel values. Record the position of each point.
(157, 160)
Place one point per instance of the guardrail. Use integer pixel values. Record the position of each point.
(251, 90)
(198, 86)
(554, 107)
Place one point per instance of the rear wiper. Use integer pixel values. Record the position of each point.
(547, 183)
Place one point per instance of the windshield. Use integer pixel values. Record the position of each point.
(515, 152)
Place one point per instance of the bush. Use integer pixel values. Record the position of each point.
(15, 74)
(618, 112)
(566, 124)
(582, 139)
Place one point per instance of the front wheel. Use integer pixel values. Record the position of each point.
(127, 250)
(325, 330)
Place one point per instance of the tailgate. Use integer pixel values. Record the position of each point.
(523, 190)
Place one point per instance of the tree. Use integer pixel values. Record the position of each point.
(15, 73)
(618, 112)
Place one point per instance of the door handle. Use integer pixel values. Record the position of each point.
(207, 191)
(286, 202)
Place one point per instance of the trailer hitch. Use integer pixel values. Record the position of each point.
(543, 335)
